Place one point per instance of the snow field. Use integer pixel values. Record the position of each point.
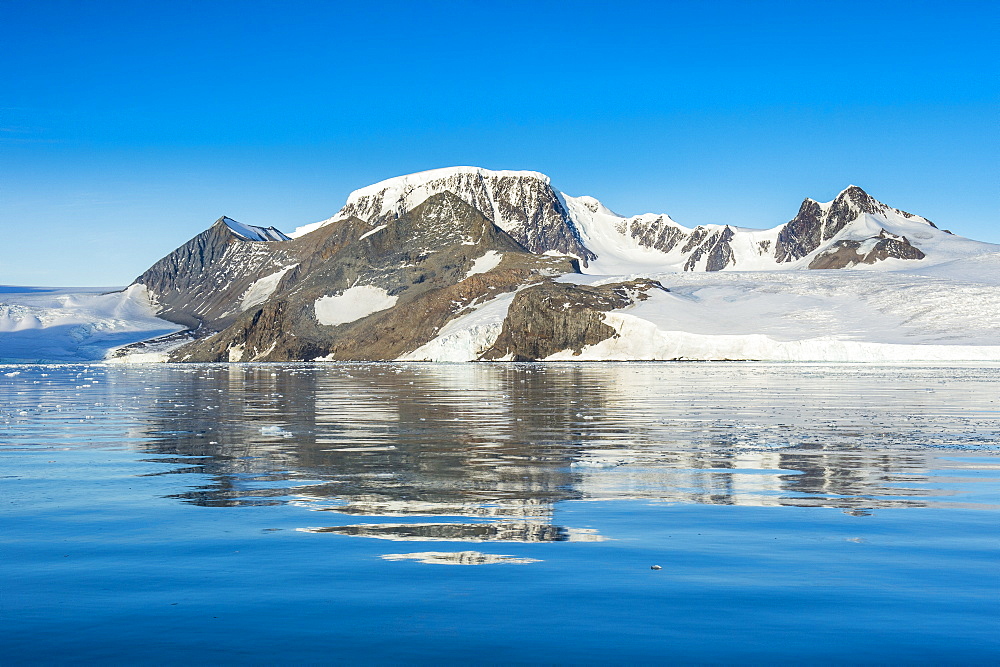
(75, 325)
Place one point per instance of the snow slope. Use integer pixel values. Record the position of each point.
(467, 336)
(74, 324)
(618, 241)
(813, 316)
(947, 312)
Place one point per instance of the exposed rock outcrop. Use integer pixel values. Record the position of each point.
(847, 253)
(715, 249)
(551, 317)
(661, 233)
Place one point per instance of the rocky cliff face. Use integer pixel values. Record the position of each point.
(201, 284)
(551, 317)
(714, 247)
(407, 258)
(661, 233)
(522, 203)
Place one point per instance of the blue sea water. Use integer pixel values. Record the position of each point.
(500, 514)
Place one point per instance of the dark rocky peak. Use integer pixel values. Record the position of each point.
(817, 223)
(855, 200)
(802, 234)
(442, 220)
(200, 283)
(810, 209)
(445, 209)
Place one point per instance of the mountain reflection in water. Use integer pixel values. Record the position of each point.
(484, 452)
(614, 513)
(487, 450)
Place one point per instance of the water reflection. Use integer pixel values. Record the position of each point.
(485, 452)
(500, 531)
(458, 558)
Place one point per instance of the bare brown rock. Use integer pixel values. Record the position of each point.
(551, 317)
(844, 254)
(422, 258)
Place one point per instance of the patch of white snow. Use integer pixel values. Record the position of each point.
(373, 231)
(263, 288)
(467, 336)
(352, 304)
(486, 263)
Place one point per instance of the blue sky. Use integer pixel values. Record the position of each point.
(128, 127)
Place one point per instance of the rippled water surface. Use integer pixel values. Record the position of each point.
(482, 513)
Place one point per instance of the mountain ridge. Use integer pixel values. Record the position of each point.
(547, 220)
(412, 266)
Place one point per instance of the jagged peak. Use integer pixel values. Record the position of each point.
(857, 199)
(860, 200)
(442, 203)
(810, 204)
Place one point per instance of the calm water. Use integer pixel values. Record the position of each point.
(488, 514)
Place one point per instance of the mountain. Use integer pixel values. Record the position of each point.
(521, 203)
(542, 219)
(466, 263)
(347, 290)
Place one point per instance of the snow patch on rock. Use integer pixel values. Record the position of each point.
(262, 289)
(373, 231)
(486, 263)
(352, 304)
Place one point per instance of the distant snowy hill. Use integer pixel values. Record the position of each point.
(39, 325)
(465, 264)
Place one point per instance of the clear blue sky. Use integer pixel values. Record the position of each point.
(128, 127)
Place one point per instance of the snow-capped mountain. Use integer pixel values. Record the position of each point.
(469, 264)
(521, 203)
(853, 229)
